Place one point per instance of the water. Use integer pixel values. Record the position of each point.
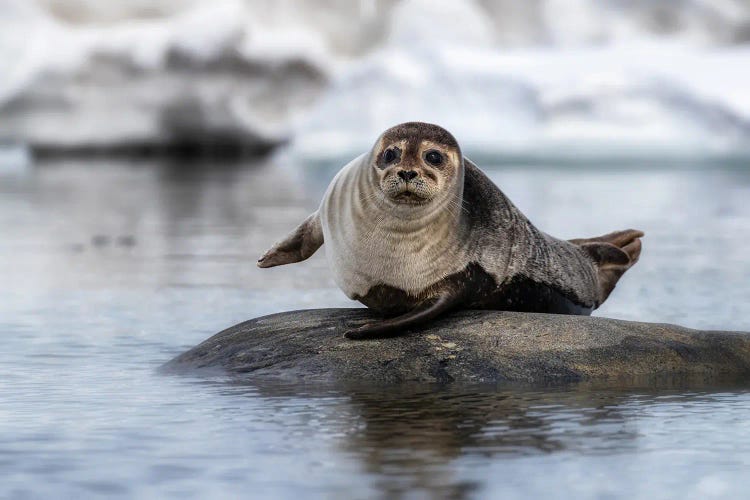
(109, 269)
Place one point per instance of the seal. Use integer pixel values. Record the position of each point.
(413, 230)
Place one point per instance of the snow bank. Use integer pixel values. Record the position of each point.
(195, 75)
(632, 97)
(541, 77)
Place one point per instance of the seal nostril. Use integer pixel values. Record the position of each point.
(407, 175)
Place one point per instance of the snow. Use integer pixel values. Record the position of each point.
(633, 97)
(544, 77)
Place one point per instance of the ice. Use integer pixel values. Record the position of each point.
(543, 77)
(634, 96)
(194, 75)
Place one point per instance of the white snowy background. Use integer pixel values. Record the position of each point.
(535, 77)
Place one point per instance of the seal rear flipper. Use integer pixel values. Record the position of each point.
(394, 327)
(297, 246)
(627, 240)
(611, 262)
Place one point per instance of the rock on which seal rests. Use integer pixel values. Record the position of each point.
(470, 346)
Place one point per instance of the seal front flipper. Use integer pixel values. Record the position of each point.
(297, 246)
(427, 310)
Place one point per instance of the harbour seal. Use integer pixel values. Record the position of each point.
(414, 229)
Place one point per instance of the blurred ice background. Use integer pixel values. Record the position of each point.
(546, 78)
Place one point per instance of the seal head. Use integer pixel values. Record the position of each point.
(416, 163)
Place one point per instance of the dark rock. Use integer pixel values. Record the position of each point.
(470, 346)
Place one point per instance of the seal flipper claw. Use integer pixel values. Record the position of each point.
(298, 245)
(394, 327)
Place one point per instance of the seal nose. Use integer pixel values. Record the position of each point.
(407, 175)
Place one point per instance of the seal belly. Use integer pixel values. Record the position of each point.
(479, 290)
(523, 294)
(518, 293)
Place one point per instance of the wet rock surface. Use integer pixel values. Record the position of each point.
(469, 346)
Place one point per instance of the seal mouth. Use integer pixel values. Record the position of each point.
(408, 197)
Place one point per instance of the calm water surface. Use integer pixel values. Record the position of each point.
(109, 269)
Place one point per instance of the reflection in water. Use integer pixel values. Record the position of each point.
(155, 224)
(409, 440)
(423, 439)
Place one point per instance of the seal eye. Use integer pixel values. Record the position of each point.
(389, 155)
(434, 158)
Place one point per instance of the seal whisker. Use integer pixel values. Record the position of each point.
(450, 208)
(458, 209)
(459, 205)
